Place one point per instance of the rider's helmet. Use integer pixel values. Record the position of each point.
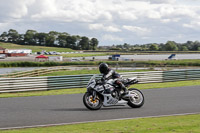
(103, 68)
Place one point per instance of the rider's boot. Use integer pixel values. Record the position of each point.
(124, 89)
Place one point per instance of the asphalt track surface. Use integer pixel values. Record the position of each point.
(45, 110)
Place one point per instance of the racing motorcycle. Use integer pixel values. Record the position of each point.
(107, 93)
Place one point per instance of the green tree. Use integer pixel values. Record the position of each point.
(119, 47)
(51, 38)
(21, 39)
(161, 47)
(153, 47)
(171, 46)
(94, 43)
(62, 39)
(196, 45)
(184, 48)
(84, 43)
(41, 38)
(189, 45)
(4, 37)
(78, 39)
(144, 47)
(71, 42)
(30, 37)
(13, 36)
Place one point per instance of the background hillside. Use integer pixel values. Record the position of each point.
(34, 48)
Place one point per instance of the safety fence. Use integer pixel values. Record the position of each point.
(80, 81)
(33, 73)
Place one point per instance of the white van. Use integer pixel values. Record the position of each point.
(2, 56)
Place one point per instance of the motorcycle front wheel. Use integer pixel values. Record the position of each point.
(90, 103)
(136, 100)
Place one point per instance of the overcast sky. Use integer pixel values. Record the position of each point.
(110, 21)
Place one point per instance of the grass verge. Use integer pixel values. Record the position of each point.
(164, 63)
(170, 124)
(34, 48)
(85, 71)
(82, 90)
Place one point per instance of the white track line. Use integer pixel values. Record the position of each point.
(72, 123)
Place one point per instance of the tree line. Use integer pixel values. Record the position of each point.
(168, 46)
(51, 39)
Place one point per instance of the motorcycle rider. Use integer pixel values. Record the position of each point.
(111, 74)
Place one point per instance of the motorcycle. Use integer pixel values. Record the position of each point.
(107, 93)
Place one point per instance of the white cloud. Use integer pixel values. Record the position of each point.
(96, 26)
(112, 29)
(15, 9)
(69, 11)
(138, 30)
(170, 20)
(104, 28)
(163, 1)
(193, 25)
(127, 15)
(103, 17)
(156, 1)
(4, 25)
(109, 37)
(179, 12)
(154, 14)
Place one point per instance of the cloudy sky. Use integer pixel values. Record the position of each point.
(110, 21)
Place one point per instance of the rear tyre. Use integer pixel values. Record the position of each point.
(136, 100)
(90, 103)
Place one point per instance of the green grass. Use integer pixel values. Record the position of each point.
(185, 62)
(82, 90)
(77, 72)
(167, 84)
(170, 124)
(85, 71)
(173, 63)
(34, 48)
(44, 93)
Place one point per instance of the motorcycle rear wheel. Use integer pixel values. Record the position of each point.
(137, 98)
(90, 103)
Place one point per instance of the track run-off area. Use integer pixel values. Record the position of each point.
(37, 111)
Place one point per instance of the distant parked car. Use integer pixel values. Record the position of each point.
(53, 53)
(46, 53)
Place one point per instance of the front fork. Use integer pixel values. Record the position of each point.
(94, 95)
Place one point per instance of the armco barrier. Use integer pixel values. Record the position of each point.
(23, 84)
(69, 81)
(181, 75)
(145, 77)
(80, 81)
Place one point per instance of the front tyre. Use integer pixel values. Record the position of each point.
(90, 103)
(136, 100)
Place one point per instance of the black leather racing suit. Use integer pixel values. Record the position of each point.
(114, 75)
